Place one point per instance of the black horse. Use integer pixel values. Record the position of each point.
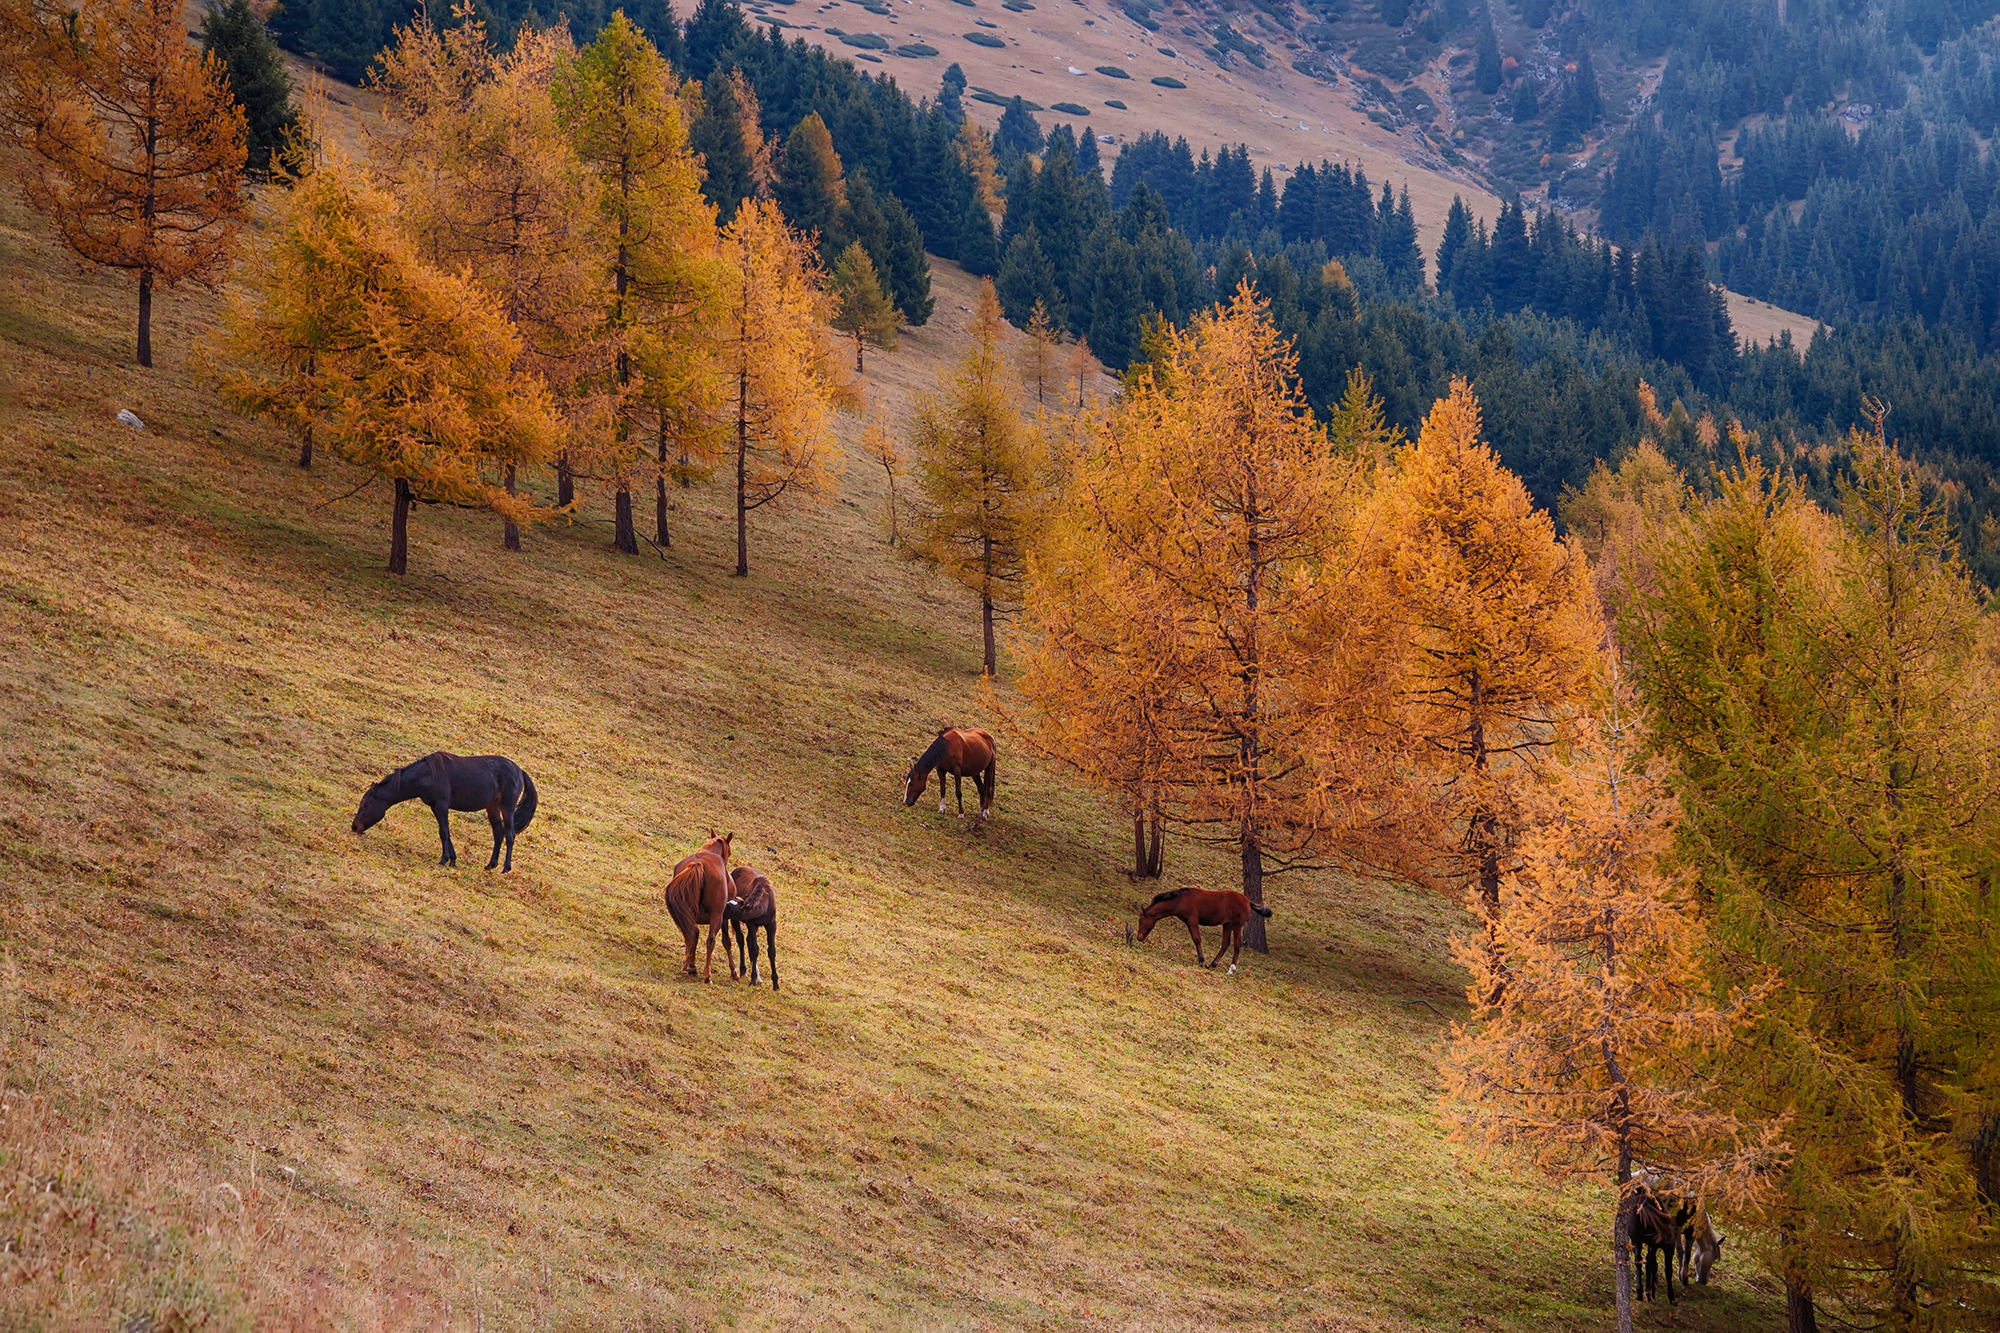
(448, 782)
(753, 904)
(1654, 1232)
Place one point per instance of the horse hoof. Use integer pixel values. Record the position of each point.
(1232, 969)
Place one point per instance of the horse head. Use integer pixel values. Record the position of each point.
(920, 770)
(1149, 916)
(375, 803)
(718, 845)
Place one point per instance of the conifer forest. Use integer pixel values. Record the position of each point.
(677, 440)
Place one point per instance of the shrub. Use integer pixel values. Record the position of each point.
(1166, 82)
(984, 39)
(1112, 72)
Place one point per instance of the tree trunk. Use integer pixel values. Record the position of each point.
(742, 495)
(146, 317)
(565, 482)
(1621, 1263)
(510, 531)
(1138, 837)
(663, 537)
(1156, 859)
(1800, 1317)
(399, 530)
(624, 539)
(858, 368)
(986, 599)
(306, 449)
(1253, 889)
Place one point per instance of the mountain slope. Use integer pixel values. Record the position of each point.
(259, 1070)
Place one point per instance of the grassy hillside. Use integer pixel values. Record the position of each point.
(256, 1069)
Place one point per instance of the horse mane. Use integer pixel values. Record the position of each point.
(933, 756)
(1168, 896)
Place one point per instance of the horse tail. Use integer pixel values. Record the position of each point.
(524, 811)
(1260, 911)
(990, 779)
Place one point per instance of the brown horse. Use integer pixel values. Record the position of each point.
(1204, 907)
(695, 897)
(958, 752)
(751, 904)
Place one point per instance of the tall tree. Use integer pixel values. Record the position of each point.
(978, 466)
(661, 280)
(137, 145)
(863, 313)
(1038, 357)
(809, 187)
(726, 135)
(782, 383)
(1211, 496)
(1823, 690)
(234, 36)
(1599, 1057)
(414, 369)
(1500, 632)
(490, 184)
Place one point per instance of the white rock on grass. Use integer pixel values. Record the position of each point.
(131, 418)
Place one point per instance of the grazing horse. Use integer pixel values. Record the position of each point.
(1653, 1232)
(751, 903)
(1701, 1244)
(958, 752)
(696, 894)
(448, 782)
(1204, 907)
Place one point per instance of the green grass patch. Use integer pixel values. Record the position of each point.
(1112, 72)
(1070, 108)
(916, 50)
(984, 39)
(1167, 81)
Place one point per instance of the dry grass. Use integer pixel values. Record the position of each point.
(261, 1072)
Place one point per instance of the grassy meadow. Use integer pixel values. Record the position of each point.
(258, 1072)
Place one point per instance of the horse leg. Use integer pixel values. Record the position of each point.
(1234, 958)
(750, 963)
(958, 780)
(449, 855)
(708, 962)
(1195, 931)
(771, 945)
(494, 822)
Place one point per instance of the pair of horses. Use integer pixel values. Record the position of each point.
(704, 891)
(1679, 1228)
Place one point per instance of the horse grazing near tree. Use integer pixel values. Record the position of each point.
(696, 894)
(1701, 1244)
(448, 782)
(752, 904)
(961, 753)
(1204, 907)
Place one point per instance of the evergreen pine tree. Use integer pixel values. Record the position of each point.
(1088, 164)
(722, 135)
(1526, 104)
(1457, 233)
(978, 250)
(1117, 308)
(905, 266)
(345, 35)
(232, 35)
(950, 93)
(1395, 12)
(1018, 133)
(864, 313)
(1486, 74)
(1027, 276)
(809, 188)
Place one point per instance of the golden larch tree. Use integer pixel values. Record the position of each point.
(1039, 355)
(662, 277)
(1207, 503)
(981, 475)
(489, 183)
(1604, 1051)
(879, 437)
(1499, 637)
(781, 381)
(137, 144)
(415, 370)
(1824, 689)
